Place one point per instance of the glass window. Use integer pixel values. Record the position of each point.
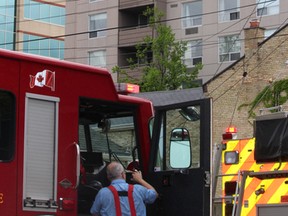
(265, 7)
(269, 32)
(43, 46)
(2, 40)
(27, 8)
(55, 15)
(106, 133)
(11, 7)
(61, 50)
(98, 22)
(193, 54)
(43, 12)
(229, 10)
(7, 24)
(192, 14)
(229, 48)
(7, 126)
(92, 1)
(54, 48)
(35, 11)
(186, 120)
(34, 45)
(2, 7)
(97, 58)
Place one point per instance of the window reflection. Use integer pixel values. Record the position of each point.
(176, 118)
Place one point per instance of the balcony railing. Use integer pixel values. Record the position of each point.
(136, 73)
(132, 36)
(123, 4)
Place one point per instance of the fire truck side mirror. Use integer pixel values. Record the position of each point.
(105, 125)
(180, 148)
(190, 113)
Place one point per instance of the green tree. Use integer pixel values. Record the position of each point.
(275, 94)
(166, 70)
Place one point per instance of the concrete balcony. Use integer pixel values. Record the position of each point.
(132, 36)
(125, 4)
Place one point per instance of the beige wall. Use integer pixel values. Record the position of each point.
(211, 29)
(78, 46)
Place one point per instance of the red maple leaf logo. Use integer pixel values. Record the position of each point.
(40, 78)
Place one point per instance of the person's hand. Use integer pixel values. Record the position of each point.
(137, 176)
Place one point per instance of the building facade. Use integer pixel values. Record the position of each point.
(33, 26)
(104, 32)
(257, 80)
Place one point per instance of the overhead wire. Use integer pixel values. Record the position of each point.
(167, 20)
(216, 43)
(117, 27)
(243, 77)
(247, 58)
(107, 29)
(259, 63)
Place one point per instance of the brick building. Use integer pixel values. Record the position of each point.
(264, 63)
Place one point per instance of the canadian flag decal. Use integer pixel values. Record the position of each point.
(43, 78)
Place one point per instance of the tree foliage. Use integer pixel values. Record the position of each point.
(166, 70)
(271, 96)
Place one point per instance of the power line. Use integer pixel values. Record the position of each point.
(55, 37)
(121, 27)
(256, 66)
(244, 39)
(167, 20)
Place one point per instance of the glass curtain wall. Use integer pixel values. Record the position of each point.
(7, 24)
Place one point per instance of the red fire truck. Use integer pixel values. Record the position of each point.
(62, 122)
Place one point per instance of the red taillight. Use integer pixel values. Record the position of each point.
(227, 136)
(284, 198)
(230, 133)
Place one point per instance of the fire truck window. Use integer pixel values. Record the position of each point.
(173, 121)
(115, 143)
(7, 126)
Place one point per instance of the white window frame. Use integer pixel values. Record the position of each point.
(95, 31)
(267, 8)
(229, 46)
(97, 58)
(194, 51)
(226, 11)
(93, 1)
(269, 32)
(193, 19)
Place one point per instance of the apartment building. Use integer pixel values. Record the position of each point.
(104, 32)
(33, 26)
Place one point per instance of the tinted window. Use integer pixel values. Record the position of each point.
(7, 126)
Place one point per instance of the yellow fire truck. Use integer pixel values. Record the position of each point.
(255, 170)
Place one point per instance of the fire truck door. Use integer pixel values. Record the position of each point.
(180, 160)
